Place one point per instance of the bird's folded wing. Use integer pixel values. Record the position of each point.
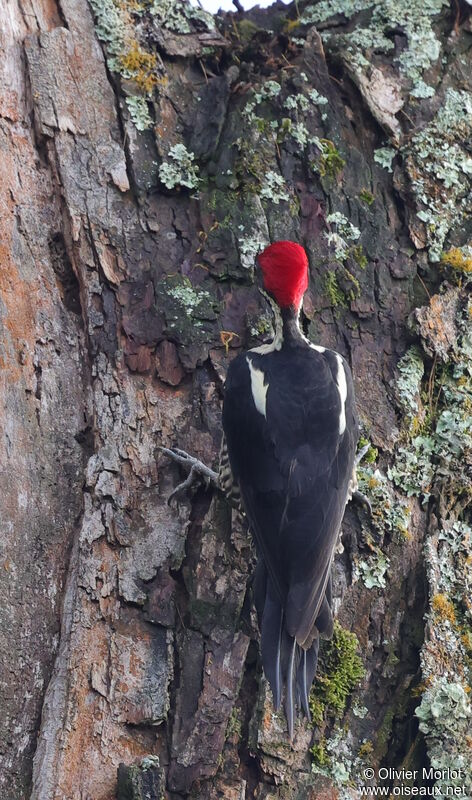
(293, 466)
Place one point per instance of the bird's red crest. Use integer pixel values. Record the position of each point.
(285, 269)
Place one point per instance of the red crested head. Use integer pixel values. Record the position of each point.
(285, 271)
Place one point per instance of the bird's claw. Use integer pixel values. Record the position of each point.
(362, 452)
(197, 469)
(363, 500)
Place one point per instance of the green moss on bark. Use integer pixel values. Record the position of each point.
(339, 672)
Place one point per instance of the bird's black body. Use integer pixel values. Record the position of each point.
(291, 430)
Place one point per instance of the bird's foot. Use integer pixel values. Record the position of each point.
(197, 470)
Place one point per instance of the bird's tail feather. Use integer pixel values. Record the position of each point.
(271, 644)
(312, 662)
(302, 685)
(286, 665)
(289, 684)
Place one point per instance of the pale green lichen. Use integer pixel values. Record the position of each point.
(333, 758)
(359, 42)
(413, 469)
(180, 170)
(408, 384)
(326, 9)
(149, 762)
(296, 104)
(359, 711)
(422, 90)
(424, 48)
(440, 166)
(454, 430)
(444, 702)
(269, 89)
(110, 24)
(266, 92)
(445, 713)
(125, 56)
(373, 570)
(300, 133)
(343, 225)
(139, 112)
(445, 716)
(389, 513)
(384, 156)
(189, 298)
(250, 228)
(258, 147)
(441, 452)
(274, 188)
(190, 311)
(296, 101)
(452, 555)
(339, 239)
(248, 248)
(439, 423)
(415, 19)
(317, 98)
(177, 15)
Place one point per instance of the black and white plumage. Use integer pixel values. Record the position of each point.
(291, 430)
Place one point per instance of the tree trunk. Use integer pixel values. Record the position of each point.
(147, 156)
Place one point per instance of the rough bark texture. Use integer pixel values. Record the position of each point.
(146, 157)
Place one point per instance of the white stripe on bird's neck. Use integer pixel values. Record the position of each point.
(341, 383)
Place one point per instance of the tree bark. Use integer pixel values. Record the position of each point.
(147, 155)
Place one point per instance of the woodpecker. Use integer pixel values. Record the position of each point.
(290, 433)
